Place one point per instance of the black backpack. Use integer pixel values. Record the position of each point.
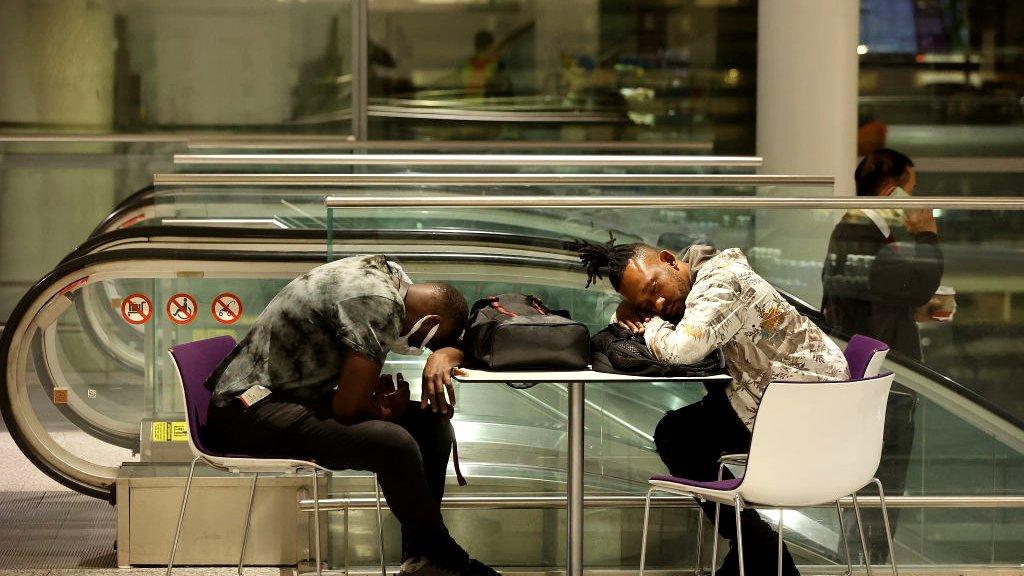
(617, 350)
(517, 332)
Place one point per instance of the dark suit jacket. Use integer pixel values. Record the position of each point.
(872, 286)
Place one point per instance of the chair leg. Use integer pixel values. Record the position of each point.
(248, 518)
(380, 527)
(643, 539)
(863, 540)
(714, 541)
(781, 511)
(316, 520)
(181, 514)
(714, 533)
(738, 503)
(842, 538)
(888, 530)
(700, 538)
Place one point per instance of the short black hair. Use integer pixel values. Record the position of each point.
(451, 305)
(614, 257)
(880, 168)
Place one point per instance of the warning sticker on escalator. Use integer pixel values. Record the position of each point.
(170, 431)
(226, 308)
(136, 308)
(181, 308)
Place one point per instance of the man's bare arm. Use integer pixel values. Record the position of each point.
(353, 400)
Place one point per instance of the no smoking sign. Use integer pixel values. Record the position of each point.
(226, 308)
(181, 308)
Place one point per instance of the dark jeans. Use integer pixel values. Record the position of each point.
(410, 458)
(690, 441)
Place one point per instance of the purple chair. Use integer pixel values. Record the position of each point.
(865, 356)
(194, 362)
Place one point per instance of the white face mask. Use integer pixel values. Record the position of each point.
(402, 346)
(894, 215)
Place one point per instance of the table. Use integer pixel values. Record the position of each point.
(575, 380)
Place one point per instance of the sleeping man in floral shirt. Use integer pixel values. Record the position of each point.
(687, 306)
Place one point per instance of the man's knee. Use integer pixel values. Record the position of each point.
(395, 446)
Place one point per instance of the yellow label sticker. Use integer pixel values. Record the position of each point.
(170, 432)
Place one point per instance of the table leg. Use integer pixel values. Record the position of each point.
(574, 482)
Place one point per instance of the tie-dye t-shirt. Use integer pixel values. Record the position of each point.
(763, 336)
(297, 345)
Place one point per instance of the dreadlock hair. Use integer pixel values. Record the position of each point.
(614, 257)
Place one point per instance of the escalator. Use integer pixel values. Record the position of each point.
(511, 440)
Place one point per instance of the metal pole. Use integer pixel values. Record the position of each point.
(664, 201)
(574, 484)
(360, 67)
(495, 179)
(636, 501)
(403, 160)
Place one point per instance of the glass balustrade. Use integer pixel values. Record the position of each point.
(91, 390)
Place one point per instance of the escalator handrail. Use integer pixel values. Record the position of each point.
(139, 199)
(502, 239)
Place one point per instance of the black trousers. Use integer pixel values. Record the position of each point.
(690, 441)
(410, 458)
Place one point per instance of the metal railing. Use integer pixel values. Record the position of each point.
(488, 180)
(512, 201)
(403, 160)
(495, 501)
(347, 143)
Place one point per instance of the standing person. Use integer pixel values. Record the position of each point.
(882, 267)
(483, 73)
(306, 382)
(874, 279)
(687, 306)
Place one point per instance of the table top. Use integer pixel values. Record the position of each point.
(562, 376)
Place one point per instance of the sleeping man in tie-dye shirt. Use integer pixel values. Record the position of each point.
(686, 307)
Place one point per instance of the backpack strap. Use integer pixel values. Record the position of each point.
(536, 303)
(497, 306)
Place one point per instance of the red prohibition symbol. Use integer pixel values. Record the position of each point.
(181, 308)
(136, 308)
(226, 308)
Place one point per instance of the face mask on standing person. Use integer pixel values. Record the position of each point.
(894, 215)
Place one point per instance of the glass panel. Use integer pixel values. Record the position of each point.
(949, 441)
(587, 70)
(936, 443)
(140, 66)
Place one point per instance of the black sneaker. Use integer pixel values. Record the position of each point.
(421, 566)
(478, 568)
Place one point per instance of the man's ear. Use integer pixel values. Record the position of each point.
(668, 258)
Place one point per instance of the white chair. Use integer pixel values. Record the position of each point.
(194, 362)
(813, 443)
(864, 356)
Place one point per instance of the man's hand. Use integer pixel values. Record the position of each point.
(391, 401)
(437, 379)
(917, 221)
(629, 317)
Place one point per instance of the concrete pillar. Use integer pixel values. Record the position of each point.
(806, 124)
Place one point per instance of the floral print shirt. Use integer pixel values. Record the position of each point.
(762, 335)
